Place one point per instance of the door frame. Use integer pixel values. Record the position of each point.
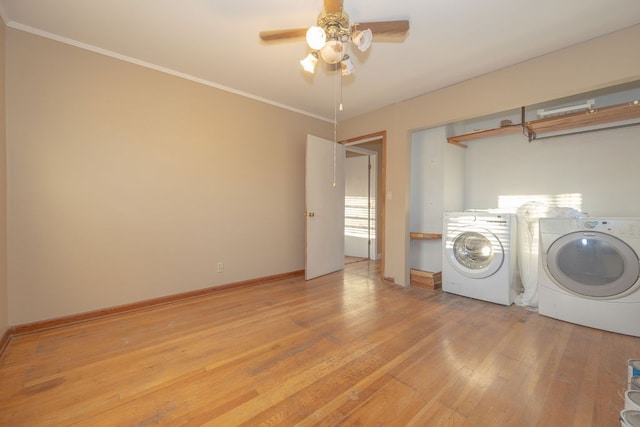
(382, 185)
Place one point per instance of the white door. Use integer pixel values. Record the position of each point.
(324, 207)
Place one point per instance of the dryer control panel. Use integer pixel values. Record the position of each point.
(616, 226)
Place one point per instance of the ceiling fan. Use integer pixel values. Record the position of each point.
(328, 38)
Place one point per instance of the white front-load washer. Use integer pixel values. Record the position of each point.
(589, 272)
(479, 256)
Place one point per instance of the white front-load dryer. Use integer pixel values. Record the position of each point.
(589, 272)
(479, 257)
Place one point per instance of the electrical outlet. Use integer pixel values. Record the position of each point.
(220, 266)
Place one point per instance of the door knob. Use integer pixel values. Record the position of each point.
(309, 214)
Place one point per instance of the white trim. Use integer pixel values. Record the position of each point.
(363, 140)
(101, 51)
(360, 150)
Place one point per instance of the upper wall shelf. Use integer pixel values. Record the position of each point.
(485, 133)
(614, 113)
(598, 116)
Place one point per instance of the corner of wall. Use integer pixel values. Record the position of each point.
(4, 298)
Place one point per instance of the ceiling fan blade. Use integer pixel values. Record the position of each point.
(290, 33)
(384, 27)
(333, 6)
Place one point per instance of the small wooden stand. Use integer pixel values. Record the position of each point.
(426, 279)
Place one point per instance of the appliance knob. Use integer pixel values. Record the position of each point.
(591, 224)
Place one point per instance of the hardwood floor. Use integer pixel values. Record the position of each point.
(352, 259)
(343, 349)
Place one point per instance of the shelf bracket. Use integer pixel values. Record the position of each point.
(526, 130)
(531, 135)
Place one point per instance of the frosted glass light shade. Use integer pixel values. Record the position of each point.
(316, 38)
(309, 63)
(346, 66)
(332, 52)
(362, 39)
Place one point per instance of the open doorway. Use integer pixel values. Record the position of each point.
(365, 205)
(360, 219)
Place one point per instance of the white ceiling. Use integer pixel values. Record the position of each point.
(216, 41)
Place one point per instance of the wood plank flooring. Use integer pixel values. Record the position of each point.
(343, 349)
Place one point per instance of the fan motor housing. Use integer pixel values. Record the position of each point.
(336, 26)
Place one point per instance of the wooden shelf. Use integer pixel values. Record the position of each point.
(425, 236)
(484, 133)
(597, 116)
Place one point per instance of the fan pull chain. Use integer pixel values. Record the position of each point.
(335, 129)
(340, 91)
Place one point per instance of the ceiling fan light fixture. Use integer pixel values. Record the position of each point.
(332, 52)
(309, 62)
(316, 38)
(362, 39)
(330, 36)
(346, 66)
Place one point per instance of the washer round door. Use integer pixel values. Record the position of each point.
(593, 264)
(474, 252)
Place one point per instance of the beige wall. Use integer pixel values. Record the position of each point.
(4, 299)
(596, 64)
(127, 184)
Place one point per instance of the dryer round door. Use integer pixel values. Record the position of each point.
(593, 264)
(474, 252)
